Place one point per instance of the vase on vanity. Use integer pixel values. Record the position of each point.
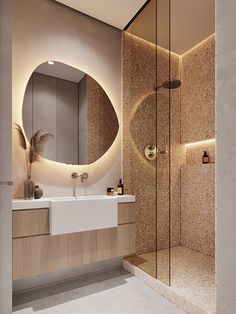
(28, 188)
(33, 152)
(38, 192)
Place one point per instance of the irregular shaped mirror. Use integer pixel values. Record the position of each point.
(73, 107)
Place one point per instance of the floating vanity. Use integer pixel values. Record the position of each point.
(51, 234)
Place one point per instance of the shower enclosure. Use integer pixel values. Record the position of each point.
(147, 95)
(162, 150)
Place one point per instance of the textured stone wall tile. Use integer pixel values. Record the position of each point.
(198, 207)
(198, 93)
(146, 120)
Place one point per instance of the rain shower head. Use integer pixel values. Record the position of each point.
(170, 84)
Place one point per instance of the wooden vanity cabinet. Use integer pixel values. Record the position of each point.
(35, 251)
(26, 223)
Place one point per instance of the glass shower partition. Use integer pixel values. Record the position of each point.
(147, 132)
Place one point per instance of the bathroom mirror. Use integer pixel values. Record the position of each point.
(72, 106)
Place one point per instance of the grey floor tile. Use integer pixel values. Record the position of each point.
(110, 292)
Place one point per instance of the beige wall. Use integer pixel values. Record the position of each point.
(5, 157)
(44, 30)
(226, 156)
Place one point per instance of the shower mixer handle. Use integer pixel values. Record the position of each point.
(165, 150)
(162, 152)
(151, 151)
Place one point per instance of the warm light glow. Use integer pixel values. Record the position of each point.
(51, 62)
(154, 45)
(168, 51)
(198, 45)
(202, 142)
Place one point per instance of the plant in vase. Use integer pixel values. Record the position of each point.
(33, 152)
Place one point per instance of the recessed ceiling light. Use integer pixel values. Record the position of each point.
(51, 62)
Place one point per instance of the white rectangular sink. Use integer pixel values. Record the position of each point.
(85, 213)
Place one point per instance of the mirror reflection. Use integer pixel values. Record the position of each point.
(73, 107)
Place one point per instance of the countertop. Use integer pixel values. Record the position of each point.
(19, 204)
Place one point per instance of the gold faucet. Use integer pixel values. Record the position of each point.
(75, 176)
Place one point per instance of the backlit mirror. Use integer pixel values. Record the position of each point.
(73, 107)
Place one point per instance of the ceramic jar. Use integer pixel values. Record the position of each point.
(38, 193)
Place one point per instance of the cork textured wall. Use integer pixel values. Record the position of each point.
(102, 122)
(146, 121)
(198, 207)
(198, 92)
(139, 117)
(198, 124)
(149, 118)
(195, 151)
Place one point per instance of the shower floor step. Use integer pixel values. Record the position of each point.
(191, 275)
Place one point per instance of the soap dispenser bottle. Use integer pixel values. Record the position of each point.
(205, 158)
(120, 188)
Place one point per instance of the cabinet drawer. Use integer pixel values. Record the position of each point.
(126, 213)
(30, 222)
(41, 254)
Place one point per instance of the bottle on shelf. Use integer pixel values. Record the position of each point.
(205, 158)
(120, 188)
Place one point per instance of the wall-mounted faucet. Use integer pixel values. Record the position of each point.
(75, 176)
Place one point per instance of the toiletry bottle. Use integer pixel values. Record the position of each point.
(120, 188)
(205, 158)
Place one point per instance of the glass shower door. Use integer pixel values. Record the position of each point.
(163, 129)
(146, 114)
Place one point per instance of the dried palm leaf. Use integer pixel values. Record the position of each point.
(21, 136)
(38, 142)
(36, 137)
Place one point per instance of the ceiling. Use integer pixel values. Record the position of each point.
(191, 22)
(117, 13)
(61, 70)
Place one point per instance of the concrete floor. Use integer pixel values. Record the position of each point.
(108, 292)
